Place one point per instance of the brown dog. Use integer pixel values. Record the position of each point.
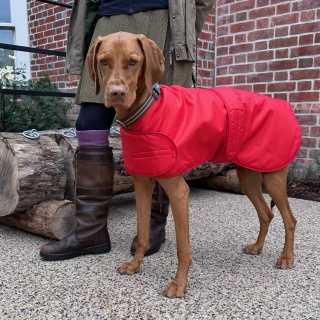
(129, 65)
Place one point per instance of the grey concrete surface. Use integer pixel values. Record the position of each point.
(224, 283)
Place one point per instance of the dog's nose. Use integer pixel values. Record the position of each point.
(117, 91)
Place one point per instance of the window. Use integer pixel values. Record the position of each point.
(14, 30)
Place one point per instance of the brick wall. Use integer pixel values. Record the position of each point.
(48, 26)
(273, 47)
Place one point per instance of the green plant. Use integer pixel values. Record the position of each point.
(22, 112)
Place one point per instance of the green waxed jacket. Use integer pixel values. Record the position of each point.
(186, 21)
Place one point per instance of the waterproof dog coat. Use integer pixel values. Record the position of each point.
(185, 127)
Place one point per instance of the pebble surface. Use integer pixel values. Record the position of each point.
(224, 283)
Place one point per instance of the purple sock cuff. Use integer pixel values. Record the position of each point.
(93, 138)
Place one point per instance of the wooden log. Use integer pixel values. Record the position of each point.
(227, 180)
(31, 171)
(53, 219)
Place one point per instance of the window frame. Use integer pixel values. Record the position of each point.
(19, 27)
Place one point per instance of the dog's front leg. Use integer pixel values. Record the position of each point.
(178, 193)
(143, 193)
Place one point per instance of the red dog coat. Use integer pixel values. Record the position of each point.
(185, 127)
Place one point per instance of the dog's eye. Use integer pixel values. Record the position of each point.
(132, 62)
(104, 62)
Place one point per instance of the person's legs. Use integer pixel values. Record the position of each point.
(94, 173)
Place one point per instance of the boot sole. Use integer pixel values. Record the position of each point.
(102, 248)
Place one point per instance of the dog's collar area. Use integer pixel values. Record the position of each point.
(142, 109)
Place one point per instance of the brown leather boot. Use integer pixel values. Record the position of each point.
(94, 172)
(159, 214)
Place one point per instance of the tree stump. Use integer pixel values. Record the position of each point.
(53, 219)
(31, 171)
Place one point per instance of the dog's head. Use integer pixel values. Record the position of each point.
(127, 63)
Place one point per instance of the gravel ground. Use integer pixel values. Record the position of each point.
(224, 283)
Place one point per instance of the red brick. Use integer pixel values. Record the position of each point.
(286, 19)
(304, 86)
(282, 96)
(241, 5)
(316, 61)
(260, 55)
(308, 142)
(262, 67)
(282, 53)
(315, 131)
(222, 71)
(304, 74)
(244, 68)
(260, 34)
(260, 87)
(283, 8)
(239, 79)
(242, 16)
(222, 31)
(283, 42)
(242, 27)
(306, 39)
(304, 96)
(240, 38)
(240, 48)
(281, 86)
(262, 3)
(225, 60)
(240, 58)
(260, 45)
(282, 31)
(305, 5)
(280, 76)
(224, 41)
(262, 77)
(302, 108)
(308, 15)
(262, 12)
(283, 64)
(305, 51)
(263, 23)
(305, 63)
(307, 119)
(246, 87)
(305, 28)
(224, 81)
(315, 108)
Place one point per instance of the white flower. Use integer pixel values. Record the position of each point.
(12, 57)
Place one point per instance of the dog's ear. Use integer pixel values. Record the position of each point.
(154, 61)
(92, 64)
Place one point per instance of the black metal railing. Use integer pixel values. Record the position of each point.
(39, 51)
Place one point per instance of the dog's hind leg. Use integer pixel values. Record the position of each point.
(276, 185)
(251, 184)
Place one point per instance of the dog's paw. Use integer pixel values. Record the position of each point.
(284, 262)
(175, 289)
(252, 249)
(129, 268)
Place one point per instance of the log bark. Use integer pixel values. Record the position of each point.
(53, 219)
(225, 180)
(31, 171)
